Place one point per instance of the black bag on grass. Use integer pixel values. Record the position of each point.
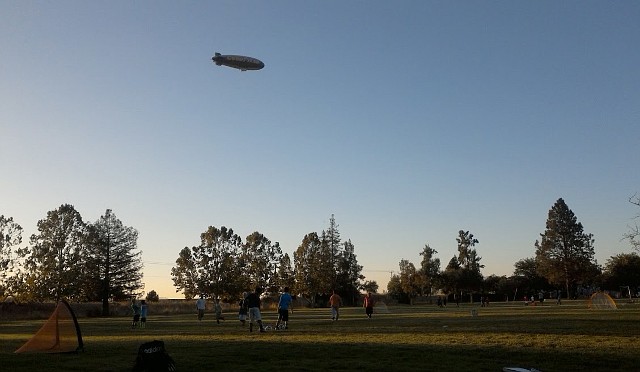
(153, 357)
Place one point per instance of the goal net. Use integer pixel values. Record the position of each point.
(60, 334)
(601, 301)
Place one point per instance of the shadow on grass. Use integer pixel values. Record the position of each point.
(548, 340)
(257, 354)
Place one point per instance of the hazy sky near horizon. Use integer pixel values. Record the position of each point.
(408, 121)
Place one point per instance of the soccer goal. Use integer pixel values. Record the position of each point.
(602, 301)
(60, 334)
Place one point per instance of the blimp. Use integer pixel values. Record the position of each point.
(242, 63)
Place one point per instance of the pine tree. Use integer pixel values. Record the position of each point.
(349, 278)
(331, 237)
(113, 263)
(565, 253)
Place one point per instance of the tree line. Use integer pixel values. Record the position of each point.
(563, 262)
(100, 261)
(224, 265)
(71, 259)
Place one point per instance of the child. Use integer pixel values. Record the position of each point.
(136, 313)
(283, 308)
(201, 306)
(143, 314)
(242, 313)
(218, 310)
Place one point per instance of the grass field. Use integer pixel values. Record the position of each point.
(568, 337)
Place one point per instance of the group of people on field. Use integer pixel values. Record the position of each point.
(250, 303)
(249, 308)
(335, 301)
(201, 306)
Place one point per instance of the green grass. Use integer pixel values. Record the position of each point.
(549, 338)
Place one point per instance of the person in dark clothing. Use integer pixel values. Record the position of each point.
(253, 303)
(368, 305)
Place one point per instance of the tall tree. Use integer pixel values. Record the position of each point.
(261, 259)
(469, 277)
(409, 280)
(326, 263)
(56, 258)
(185, 274)
(349, 273)
(394, 289)
(429, 269)
(565, 253)
(331, 238)
(313, 274)
(466, 253)
(219, 251)
(114, 265)
(213, 267)
(302, 260)
(451, 276)
(10, 239)
(286, 274)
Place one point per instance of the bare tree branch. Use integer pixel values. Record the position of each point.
(634, 231)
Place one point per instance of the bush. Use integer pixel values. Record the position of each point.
(152, 296)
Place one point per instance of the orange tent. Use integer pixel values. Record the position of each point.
(60, 334)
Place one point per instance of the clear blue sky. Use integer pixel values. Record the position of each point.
(408, 120)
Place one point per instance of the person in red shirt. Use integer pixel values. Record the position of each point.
(368, 304)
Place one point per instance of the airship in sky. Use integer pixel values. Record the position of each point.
(242, 63)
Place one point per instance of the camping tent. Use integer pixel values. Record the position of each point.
(601, 300)
(60, 334)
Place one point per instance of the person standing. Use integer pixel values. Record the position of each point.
(368, 304)
(335, 301)
(218, 310)
(283, 308)
(135, 308)
(143, 314)
(253, 303)
(242, 312)
(201, 305)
